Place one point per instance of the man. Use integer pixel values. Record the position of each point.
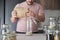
(35, 11)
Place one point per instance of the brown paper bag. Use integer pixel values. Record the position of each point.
(21, 12)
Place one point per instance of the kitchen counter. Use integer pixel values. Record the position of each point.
(33, 37)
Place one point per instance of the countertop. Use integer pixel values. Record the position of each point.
(33, 37)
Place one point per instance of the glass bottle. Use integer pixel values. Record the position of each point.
(56, 36)
(52, 23)
(5, 31)
(45, 28)
(59, 23)
(29, 27)
(12, 35)
(49, 35)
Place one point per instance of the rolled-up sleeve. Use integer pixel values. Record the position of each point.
(41, 10)
(41, 14)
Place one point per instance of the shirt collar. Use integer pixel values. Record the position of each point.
(28, 5)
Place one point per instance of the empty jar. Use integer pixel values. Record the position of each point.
(52, 23)
(29, 26)
(5, 28)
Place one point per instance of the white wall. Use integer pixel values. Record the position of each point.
(48, 13)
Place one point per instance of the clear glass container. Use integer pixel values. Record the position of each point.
(52, 23)
(12, 35)
(56, 35)
(59, 19)
(45, 28)
(59, 23)
(49, 35)
(5, 29)
(29, 26)
(6, 33)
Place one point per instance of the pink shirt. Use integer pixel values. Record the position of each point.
(21, 24)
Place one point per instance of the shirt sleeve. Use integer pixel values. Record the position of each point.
(41, 14)
(41, 10)
(18, 5)
(14, 13)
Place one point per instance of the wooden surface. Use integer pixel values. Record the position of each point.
(50, 4)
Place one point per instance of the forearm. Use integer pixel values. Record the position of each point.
(13, 19)
(41, 17)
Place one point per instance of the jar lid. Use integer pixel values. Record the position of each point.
(51, 18)
(57, 31)
(4, 25)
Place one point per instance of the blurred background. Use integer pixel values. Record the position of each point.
(51, 7)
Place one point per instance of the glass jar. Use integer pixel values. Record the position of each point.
(5, 29)
(57, 35)
(12, 36)
(52, 23)
(49, 35)
(6, 33)
(59, 23)
(45, 28)
(29, 27)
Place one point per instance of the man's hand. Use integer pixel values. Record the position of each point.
(30, 14)
(13, 19)
(14, 16)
